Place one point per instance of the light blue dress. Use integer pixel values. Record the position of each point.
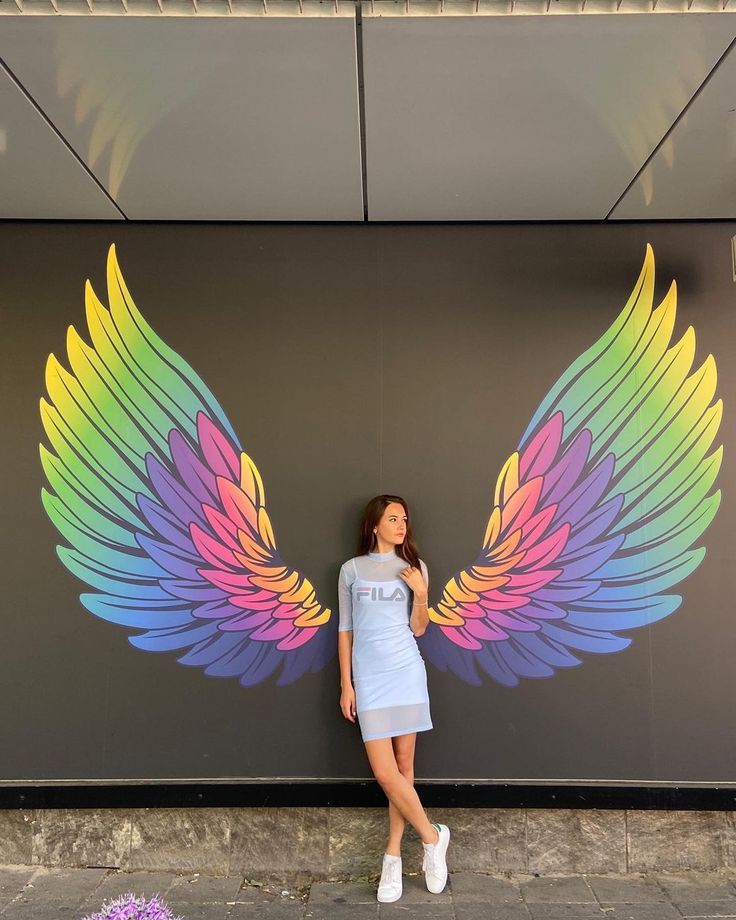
(390, 679)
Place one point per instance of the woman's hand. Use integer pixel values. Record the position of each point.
(347, 702)
(412, 577)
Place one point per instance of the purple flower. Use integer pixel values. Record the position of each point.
(128, 907)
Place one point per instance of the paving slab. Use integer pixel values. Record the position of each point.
(469, 887)
(69, 885)
(415, 891)
(696, 886)
(257, 900)
(544, 910)
(115, 883)
(206, 889)
(42, 893)
(342, 893)
(48, 910)
(419, 911)
(478, 910)
(647, 910)
(557, 889)
(333, 911)
(709, 908)
(201, 912)
(12, 880)
(285, 910)
(628, 888)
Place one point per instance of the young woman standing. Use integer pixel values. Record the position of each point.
(378, 653)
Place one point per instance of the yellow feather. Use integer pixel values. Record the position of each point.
(315, 616)
(508, 480)
(253, 551)
(263, 575)
(250, 480)
(455, 591)
(286, 583)
(481, 584)
(302, 595)
(253, 545)
(265, 529)
(638, 308)
(683, 351)
(493, 529)
(704, 380)
(507, 547)
(493, 571)
(713, 416)
(445, 616)
(91, 300)
(53, 380)
(117, 290)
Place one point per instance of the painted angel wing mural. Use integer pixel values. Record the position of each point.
(164, 514)
(596, 512)
(594, 518)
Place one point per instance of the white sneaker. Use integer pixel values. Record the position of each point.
(434, 862)
(390, 887)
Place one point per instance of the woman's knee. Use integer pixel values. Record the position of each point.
(404, 747)
(388, 764)
(406, 767)
(386, 774)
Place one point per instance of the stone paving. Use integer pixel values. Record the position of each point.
(38, 893)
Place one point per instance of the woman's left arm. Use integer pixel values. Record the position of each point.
(418, 581)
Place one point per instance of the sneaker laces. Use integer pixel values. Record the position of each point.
(391, 874)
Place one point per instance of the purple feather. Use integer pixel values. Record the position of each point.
(599, 521)
(541, 451)
(541, 610)
(165, 524)
(579, 502)
(168, 559)
(590, 560)
(173, 494)
(218, 452)
(197, 590)
(568, 591)
(193, 473)
(217, 609)
(566, 473)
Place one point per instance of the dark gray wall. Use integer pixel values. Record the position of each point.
(353, 360)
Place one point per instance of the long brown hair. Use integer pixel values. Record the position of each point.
(372, 514)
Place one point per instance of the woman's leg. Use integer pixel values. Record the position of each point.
(399, 791)
(404, 747)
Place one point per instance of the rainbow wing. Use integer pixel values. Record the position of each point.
(596, 511)
(164, 515)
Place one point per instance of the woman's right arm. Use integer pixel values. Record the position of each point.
(345, 646)
(347, 691)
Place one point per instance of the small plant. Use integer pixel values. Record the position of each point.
(128, 907)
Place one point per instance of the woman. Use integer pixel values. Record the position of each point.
(378, 652)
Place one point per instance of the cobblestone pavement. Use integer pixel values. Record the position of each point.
(40, 893)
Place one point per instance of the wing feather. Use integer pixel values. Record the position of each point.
(597, 511)
(163, 513)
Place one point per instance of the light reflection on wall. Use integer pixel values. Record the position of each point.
(660, 85)
(119, 95)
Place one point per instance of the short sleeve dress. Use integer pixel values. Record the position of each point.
(389, 676)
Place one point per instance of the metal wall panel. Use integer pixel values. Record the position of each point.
(203, 119)
(523, 118)
(693, 174)
(40, 177)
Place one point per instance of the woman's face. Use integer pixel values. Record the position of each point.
(392, 526)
